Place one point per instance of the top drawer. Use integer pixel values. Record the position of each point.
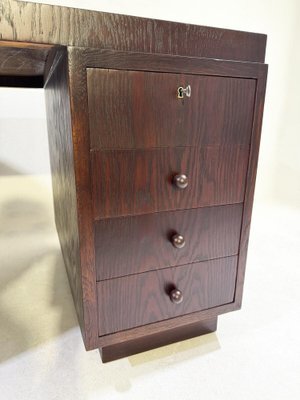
(133, 109)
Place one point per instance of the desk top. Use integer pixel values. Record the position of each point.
(47, 24)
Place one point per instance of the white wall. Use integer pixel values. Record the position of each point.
(279, 166)
(23, 132)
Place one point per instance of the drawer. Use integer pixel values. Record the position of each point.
(130, 245)
(130, 182)
(141, 299)
(134, 109)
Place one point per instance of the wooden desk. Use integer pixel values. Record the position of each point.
(154, 131)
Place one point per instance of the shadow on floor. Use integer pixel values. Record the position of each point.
(35, 299)
(195, 347)
(7, 170)
(123, 374)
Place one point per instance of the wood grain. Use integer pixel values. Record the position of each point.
(131, 245)
(148, 342)
(42, 23)
(130, 182)
(132, 109)
(23, 59)
(79, 61)
(63, 179)
(143, 299)
(250, 187)
(158, 327)
(97, 58)
(165, 325)
(135, 61)
(81, 146)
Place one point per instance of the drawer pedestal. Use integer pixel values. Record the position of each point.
(129, 208)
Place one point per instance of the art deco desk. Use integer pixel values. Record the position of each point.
(154, 130)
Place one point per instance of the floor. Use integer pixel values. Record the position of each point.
(255, 353)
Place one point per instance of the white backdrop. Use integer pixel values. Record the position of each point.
(23, 141)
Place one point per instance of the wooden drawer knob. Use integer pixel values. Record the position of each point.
(176, 296)
(178, 241)
(180, 181)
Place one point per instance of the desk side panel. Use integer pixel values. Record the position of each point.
(63, 177)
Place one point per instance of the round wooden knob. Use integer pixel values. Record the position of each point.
(180, 181)
(178, 241)
(176, 296)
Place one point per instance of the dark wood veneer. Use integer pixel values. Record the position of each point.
(152, 341)
(127, 182)
(170, 63)
(63, 179)
(41, 23)
(250, 180)
(23, 59)
(142, 299)
(143, 62)
(165, 325)
(133, 109)
(81, 146)
(131, 245)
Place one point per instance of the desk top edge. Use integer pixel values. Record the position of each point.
(29, 22)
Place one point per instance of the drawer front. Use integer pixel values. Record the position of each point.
(136, 300)
(142, 243)
(129, 182)
(133, 109)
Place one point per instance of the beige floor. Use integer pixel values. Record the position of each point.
(254, 355)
